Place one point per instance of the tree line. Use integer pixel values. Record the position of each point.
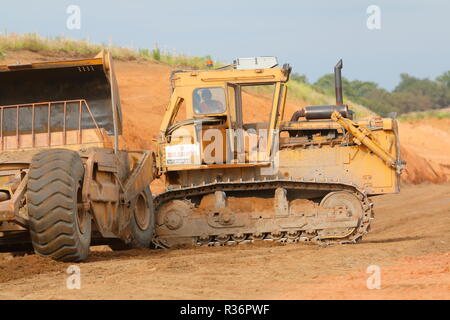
(411, 93)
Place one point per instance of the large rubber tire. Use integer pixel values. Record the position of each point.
(59, 228)
(142, 224)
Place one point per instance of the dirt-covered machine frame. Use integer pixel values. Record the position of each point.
(230, 181)
(64, 183)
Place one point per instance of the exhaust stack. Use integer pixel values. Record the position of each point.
(325, 112)
(338, 83)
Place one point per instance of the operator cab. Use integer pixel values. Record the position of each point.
(209, 101)
(222, 109)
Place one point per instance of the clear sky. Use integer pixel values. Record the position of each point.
(311, 35)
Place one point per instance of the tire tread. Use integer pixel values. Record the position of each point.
(54, 175)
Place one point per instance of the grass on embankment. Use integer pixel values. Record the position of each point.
(305, 92)
(299, 91)
(84, 48)
(431, 114)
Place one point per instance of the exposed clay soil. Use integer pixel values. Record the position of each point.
(426, 149)
(409, 241)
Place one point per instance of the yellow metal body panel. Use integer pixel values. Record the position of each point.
(312, 157)
(53, 64)
(220, 77)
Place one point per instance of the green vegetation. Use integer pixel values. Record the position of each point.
(299, 77)
(35, 43)
(436, 114)
(411, 94)
(413, 98)
(156, 54)
(84, 48)
(299, 90)
(312, 96)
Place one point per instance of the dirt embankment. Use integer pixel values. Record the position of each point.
(426, 149)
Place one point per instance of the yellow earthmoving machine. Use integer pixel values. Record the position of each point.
(230, 179)
(64, 183)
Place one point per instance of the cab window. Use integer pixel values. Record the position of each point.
(209, 100)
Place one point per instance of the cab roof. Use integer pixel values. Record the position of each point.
(182, 78)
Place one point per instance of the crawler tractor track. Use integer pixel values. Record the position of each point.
(317, 236)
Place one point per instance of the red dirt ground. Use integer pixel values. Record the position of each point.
(410, 242)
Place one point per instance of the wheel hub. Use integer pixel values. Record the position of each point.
(142, 213)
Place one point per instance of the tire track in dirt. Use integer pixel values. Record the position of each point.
(410, 243)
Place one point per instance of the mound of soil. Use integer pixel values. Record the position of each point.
(426, 149)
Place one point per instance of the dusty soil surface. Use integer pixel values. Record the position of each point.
(410, 242)
(426, 149)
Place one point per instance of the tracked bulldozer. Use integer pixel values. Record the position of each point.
(230, 179)
(64, 182)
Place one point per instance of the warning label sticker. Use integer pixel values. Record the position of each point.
(181, 154)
